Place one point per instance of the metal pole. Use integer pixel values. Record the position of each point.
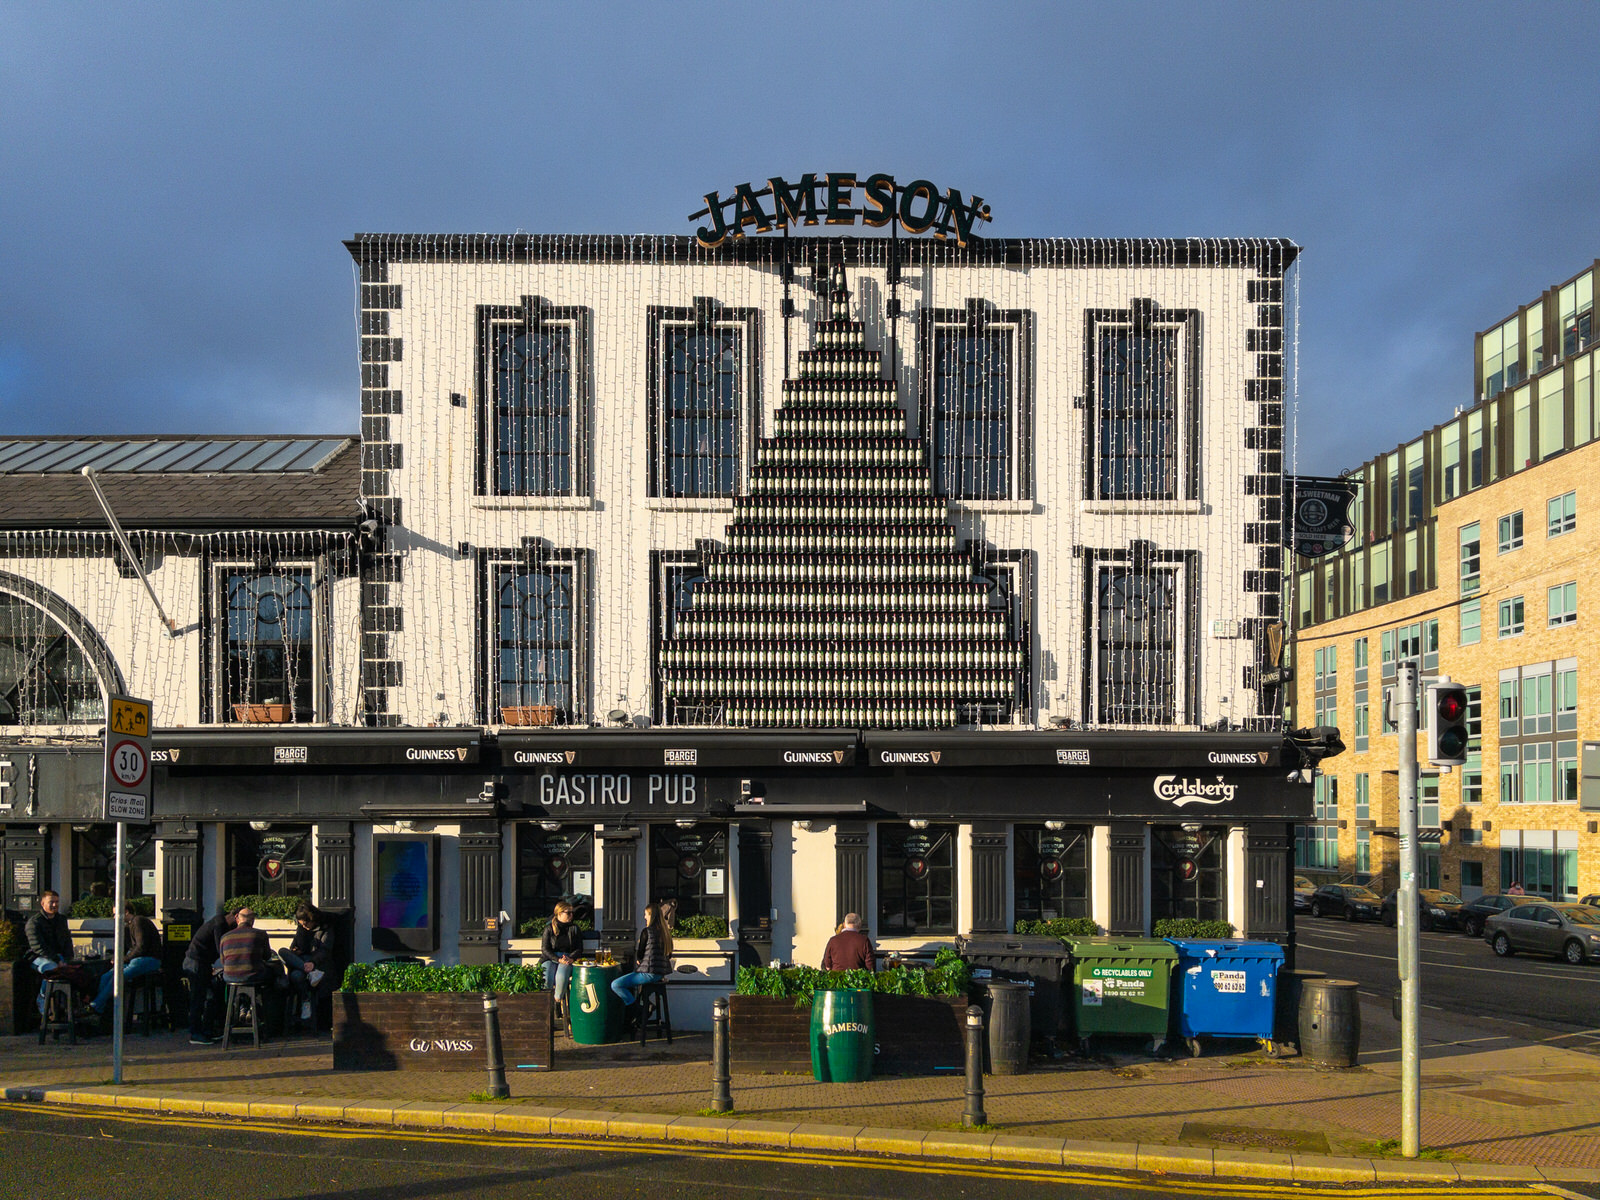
(721, 1095)
(974, 1114)
(1406, 919)
(116, 957)
(497, 1067)
(127, 549)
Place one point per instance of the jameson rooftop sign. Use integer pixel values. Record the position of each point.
(838, 198)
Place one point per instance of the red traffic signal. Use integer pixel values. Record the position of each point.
(1448, 736)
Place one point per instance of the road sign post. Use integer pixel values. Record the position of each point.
(126, 797)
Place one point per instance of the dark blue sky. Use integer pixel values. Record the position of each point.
(177, 179)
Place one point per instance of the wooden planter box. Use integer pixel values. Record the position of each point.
(261, 714)
(19, 992)
(438, 1031)
(529, 714)
(917, 1035)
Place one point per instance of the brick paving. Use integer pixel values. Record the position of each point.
(1246, 1100)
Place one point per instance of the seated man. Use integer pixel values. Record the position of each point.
(141, 955)
(849, 949)
(49, 938)
(243, 951)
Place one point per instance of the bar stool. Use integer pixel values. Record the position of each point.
(654, 1011)
(147, 1002)
(57, 1017)
(246, 997)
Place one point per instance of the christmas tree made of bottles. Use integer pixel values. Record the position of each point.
(843, 597)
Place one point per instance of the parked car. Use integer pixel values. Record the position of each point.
(1348, 900)
(1475, 912)
(1569, 931)
(1303, 888)
(1592, 899)
(1438, 910)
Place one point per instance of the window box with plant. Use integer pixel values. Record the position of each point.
(918, 1013)
(416, 1017)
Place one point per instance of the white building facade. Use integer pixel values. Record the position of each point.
(794, 576)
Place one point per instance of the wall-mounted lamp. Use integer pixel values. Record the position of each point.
(618, 716)
(550, 826)
(261, 826)
(405, 826)
(804, 823)
(81, 828)
(918, 823)
(685, 823)
(1055, 826)
(44, 829)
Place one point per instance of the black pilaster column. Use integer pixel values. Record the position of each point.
(619, 850)
(27, 868)
(180, 864)
(335, 866)
(755, 893)
(1268, 880)
(989, 878)
(1127, 880)
(851, 870)
(479, 939)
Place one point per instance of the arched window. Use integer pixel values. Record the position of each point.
(45, 677)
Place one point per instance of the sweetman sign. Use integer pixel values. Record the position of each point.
(920, 206)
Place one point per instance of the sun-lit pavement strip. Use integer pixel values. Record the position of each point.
(1129, 1118)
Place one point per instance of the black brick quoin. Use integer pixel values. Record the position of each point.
(380, 403)
(382, 674)
(380, 295)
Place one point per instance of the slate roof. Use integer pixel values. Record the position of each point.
(323, 497)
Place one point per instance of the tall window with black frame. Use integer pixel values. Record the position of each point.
(534, 649)
(268, 658)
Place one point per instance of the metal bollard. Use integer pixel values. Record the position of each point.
(721, 1095)
(497, 1066)
(974, 1114)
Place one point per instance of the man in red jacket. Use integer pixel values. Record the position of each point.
(849, 948)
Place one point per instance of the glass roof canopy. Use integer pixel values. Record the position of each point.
(54, 456)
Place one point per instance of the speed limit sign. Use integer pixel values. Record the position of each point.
(127, 777)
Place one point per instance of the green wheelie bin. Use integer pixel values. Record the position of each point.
(1120, 986)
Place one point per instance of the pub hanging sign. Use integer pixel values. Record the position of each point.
(832, 199)
(1321, 516)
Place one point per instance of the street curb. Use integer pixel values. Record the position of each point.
(941, 1146)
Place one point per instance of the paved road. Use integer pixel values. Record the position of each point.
(1459, 974)
(56, 1154)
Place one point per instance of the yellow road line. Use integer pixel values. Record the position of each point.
(944, 1168)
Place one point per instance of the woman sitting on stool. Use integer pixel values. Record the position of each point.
(652, 958)
(559, 947)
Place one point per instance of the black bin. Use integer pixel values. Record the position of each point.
(1009, 1018)
(1330, 1022)
(1034, 959)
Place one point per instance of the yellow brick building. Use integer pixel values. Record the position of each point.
(1476, 553)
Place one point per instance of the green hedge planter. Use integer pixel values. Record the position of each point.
(415, 1017)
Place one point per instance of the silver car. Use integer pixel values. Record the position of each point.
(1569, 931)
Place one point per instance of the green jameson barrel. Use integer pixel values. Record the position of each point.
(842, 1036)
(595, 1011)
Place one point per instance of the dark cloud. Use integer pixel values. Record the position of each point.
(179, 178)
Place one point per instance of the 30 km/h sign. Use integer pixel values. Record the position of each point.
(127, 776)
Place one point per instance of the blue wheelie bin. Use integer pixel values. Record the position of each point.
(1226, 989)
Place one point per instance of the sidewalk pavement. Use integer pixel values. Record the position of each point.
(1495, 1107)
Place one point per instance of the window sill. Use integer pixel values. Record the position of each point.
(995, 506)
(501, 503)
(1145, 507)
(690, 503)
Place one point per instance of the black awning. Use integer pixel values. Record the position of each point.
(559, 749)
(290, 746)
(1073, 752)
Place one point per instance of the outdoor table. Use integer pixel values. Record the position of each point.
(593, 1009)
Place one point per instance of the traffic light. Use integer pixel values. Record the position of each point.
(1447, 730)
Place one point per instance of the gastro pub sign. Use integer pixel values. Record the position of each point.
(918, 207)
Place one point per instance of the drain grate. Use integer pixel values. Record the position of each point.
(1515, 1099)
(1195, 1133)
